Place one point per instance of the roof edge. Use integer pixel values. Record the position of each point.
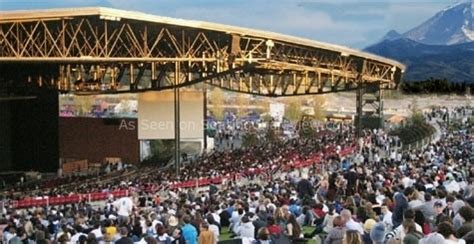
(135, 15)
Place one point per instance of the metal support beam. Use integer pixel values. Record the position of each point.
(84, 40)
(359, 111)
(381, 107)
(177, 156)
(369, 107)
(206, 126)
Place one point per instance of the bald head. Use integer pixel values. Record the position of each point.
(346, 214)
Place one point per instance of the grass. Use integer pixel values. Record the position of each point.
(226, 234)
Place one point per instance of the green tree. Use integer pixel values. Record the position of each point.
(217, 100)
(416, 115)
(306, 127)
(83, 104)
(161, 152)
(241, 101)
(250, 139)
(293, 110)
(319, 103)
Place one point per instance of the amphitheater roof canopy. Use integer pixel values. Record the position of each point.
(284, 64)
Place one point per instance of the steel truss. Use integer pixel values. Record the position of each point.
(95, 54)
(369, 107)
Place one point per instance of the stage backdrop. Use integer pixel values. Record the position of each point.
(156, 115)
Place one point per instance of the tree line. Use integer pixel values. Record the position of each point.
(433, 85)
(416, 127)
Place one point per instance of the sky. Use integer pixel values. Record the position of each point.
(353, 23)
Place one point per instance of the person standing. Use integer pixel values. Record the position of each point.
(124, 237)
(352, 181)
(447, 230)
(401, 204)
(124, 208)
(206, 236)
(189, 231)
(336, 234)
(305, 189)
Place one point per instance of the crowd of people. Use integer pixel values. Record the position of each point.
(379, 194)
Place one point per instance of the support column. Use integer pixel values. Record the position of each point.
(132, 76)
(177, 156)
(206, 126)
(359, 109)
(381, 107)
(369, 97)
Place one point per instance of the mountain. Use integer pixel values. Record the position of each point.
(392, 35)
(441, 47)
(453, 25)
(453, 62)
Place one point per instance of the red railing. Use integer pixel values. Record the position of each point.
(98, 196)
(314, 159)
(75, 198)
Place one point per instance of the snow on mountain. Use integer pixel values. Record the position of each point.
(453, 25)
(441, 47)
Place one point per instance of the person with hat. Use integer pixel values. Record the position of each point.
(173, 221)
(377, 233)
(439, 210)
(368, 225)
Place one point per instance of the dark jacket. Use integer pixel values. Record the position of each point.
(465, 228)
(401, 204)
(305, 189)
(124, 240)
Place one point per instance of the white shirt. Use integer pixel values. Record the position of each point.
(458, 241)
(216, 217)
(352, 225)
(214, 230)
(413, 204)
(75, 238)
(387, 220)
(401, 231)
(124, 206)
(452, 186)
(98, 233)
(155, 222)
(7, 236)
(161, 238)
(393, 155)
(246, 230)
(407, 182)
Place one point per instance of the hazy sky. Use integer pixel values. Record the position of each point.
(353, 23)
